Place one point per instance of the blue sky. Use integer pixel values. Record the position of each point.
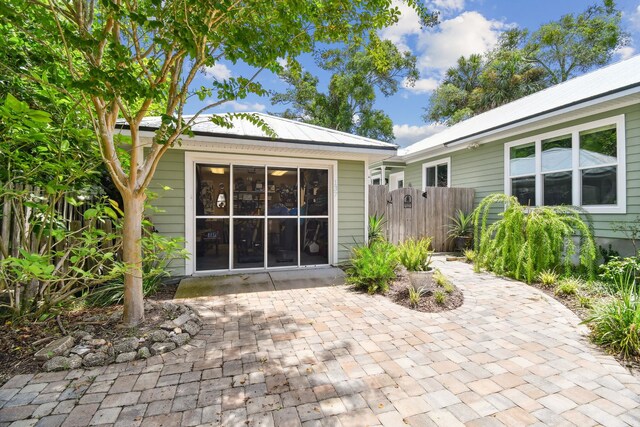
(466, 27)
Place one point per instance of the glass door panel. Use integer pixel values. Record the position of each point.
(212, 244)
(282, 238)
(314, 241)
(282, 191)
(212, 186)
(315, 189)
(248, 191)
(248, 243)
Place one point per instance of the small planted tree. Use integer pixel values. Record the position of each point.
(123, 58)
(524, 241)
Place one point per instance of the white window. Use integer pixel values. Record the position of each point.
(437, 173)
(396, 180)
(583, 165)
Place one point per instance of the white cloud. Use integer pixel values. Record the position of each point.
(243, 106)
(218, 71)
(408, 134)
(408, 24)
(635, 18)
(448, 5)
(421, 85)
(466, 34)
(625, 52)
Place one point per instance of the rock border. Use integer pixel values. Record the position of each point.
(81, 349)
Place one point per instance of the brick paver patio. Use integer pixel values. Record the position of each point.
(328, 356)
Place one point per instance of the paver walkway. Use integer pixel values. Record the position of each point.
(327, 356)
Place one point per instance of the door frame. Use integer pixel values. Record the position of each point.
(192, 158)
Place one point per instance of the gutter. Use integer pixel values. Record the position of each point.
(542, 113)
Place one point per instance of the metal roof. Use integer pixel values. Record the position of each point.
(610, 80)
(285, 129)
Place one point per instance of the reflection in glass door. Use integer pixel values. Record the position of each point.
(254, 217)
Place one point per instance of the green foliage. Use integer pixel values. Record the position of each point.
(439, 278)
(373, 267)
(630, 229)
(615, 322)
(440, 297)
(548, 278)
(461, 225)
(376, 228)
(358, 74)
(525, 241)
(470, 255)
(157, 252)
(568, 286)
(525, 62)
(415, 294)
(585, 301)
(415, 254)
(619, 274)
(608, 253)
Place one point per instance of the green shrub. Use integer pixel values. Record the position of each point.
(548, 278)
(440, 297)
(373, 267)
(568, 286)
(415, 254)
(470, 255)
(415, 294)
(619, 273)
(525, 241)
(615, 324)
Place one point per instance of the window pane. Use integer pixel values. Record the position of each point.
(212, 244)
(248, 190)
(315, 190)
(556, 153)
(598, 147)
(523, 159)
(599, 186)
(248, 241)
(443, 180)
(524, 189)
(400, 183)
(212, 186)
(431, 176)
(282, 191)
(557, 189)
(314, 241)
(283, 239)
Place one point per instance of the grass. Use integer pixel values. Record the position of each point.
(548, 279)
(568, 286)
(440, 297)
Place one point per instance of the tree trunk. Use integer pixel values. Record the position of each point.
(132, 257)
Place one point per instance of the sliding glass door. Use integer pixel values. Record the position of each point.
(255, 217)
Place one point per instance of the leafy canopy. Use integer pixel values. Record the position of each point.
(359, 73)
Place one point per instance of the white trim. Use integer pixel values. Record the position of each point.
(191, 158)
(574, 131)
(442, 161)
(394, 178)
(367, 180)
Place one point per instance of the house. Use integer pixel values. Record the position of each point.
(246, 202)
(574, 143)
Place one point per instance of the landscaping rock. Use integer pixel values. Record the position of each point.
(195, 318)
(126, 357)
(180, 339)
(80, 350)
(170, 307)
(144, 353)
(162, 347)
(168, 326)
(126, 345)
(177, 330)
(157, 335)
(115, 317)
(55, 348)
(87, 338)
(60, 363)
(181, 320)
(97, 342)
(95, 359)
(191, 328)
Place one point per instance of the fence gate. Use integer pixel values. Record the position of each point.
(409, 214)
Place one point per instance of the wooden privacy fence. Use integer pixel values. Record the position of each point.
(410, 215)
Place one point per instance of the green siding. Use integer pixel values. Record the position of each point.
(483, 168)
(351, 206)
(171, 221)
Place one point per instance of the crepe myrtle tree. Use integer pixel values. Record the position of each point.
(123, 57)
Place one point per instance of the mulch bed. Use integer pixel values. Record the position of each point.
(19, 342)
(399, 293)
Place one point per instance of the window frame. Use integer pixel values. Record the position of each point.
(396, 178)
(436, 163)
(621, 179)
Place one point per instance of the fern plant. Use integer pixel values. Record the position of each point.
(415, 254)
(373, 267)
(525, 241)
